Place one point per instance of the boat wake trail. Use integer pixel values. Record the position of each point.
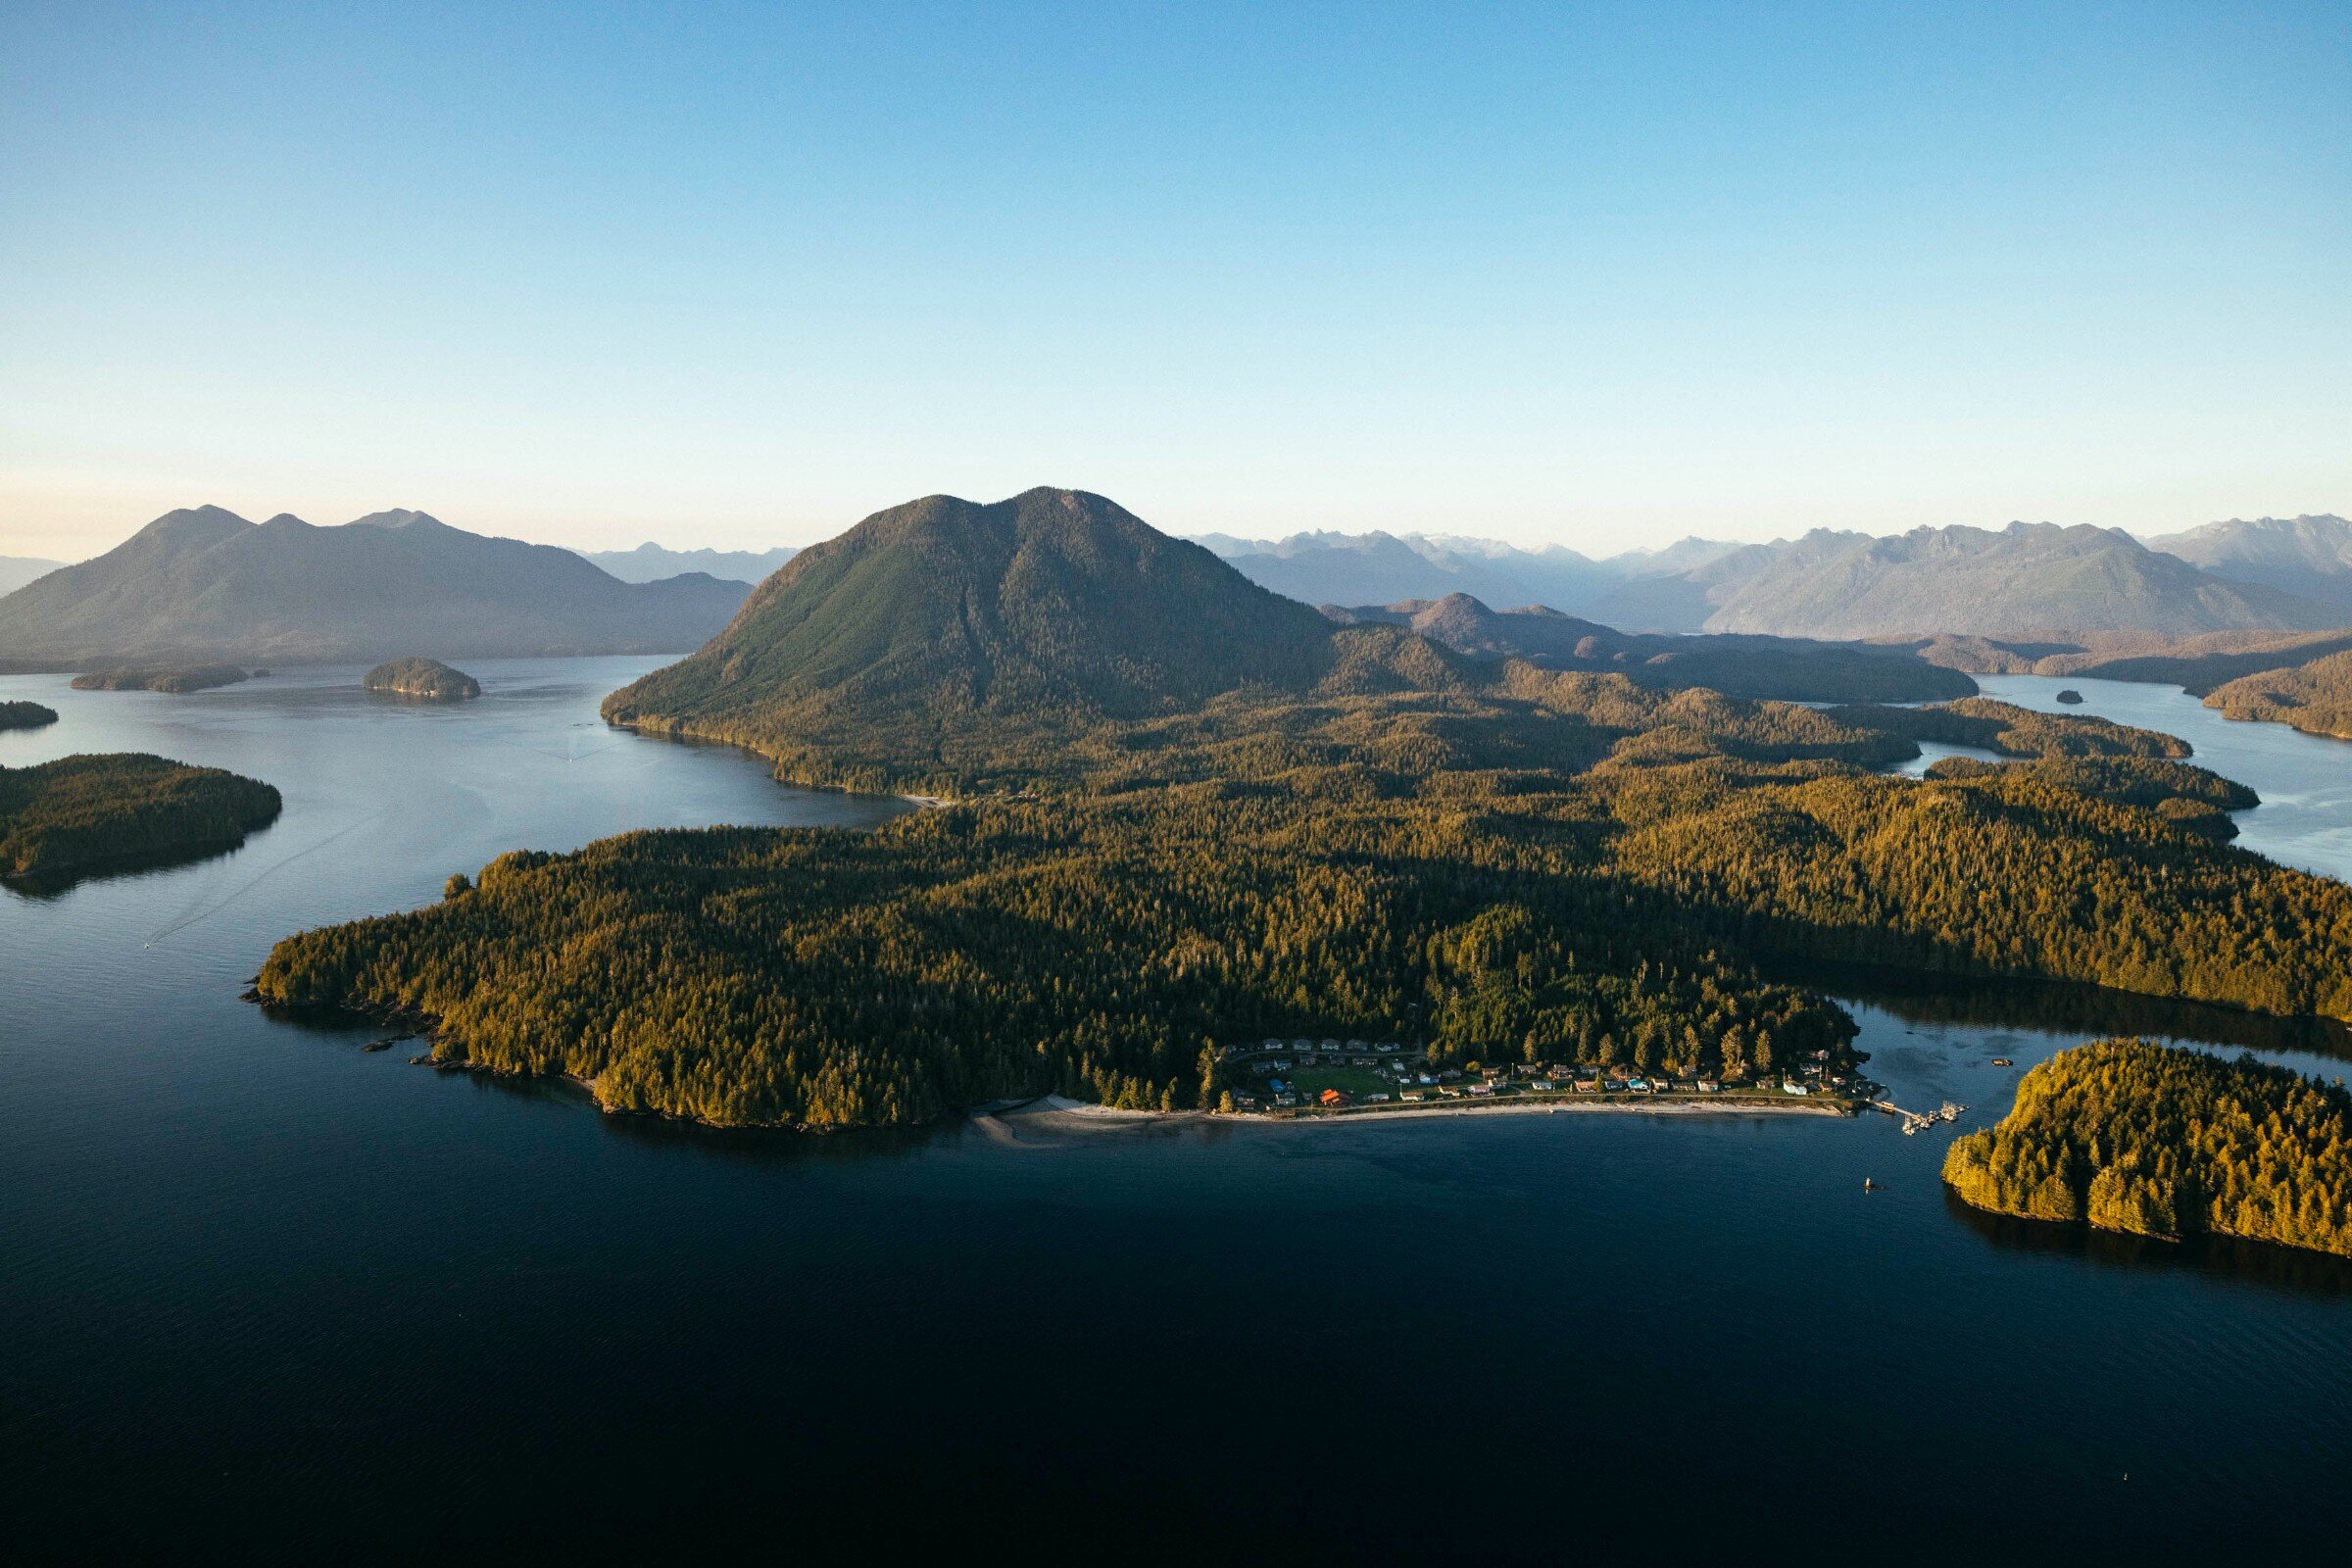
(222, 902)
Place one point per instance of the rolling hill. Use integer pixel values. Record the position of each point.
(207, 584)
(1791, 670)
(2315, 698)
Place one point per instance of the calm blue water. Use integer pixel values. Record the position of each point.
(263, 1295)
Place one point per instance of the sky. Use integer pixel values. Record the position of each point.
(1602, 276)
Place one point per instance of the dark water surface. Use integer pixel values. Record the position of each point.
(265, 1295)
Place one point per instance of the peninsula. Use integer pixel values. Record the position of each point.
(26, 716)
(2314, 698)
(1187, 812)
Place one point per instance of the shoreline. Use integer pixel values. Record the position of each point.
(1061, 1112)
(1069, 1114)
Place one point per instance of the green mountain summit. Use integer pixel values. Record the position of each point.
(893, 644)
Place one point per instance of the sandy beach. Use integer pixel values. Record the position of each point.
(1058, 1113)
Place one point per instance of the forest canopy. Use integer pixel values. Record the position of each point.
(1586, 871)
(2314, 698)
(83, 811)
(159, 678)
(427, 679)
(26, 716)
(2157, 1141)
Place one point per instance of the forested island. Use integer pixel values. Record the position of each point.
(425, 679)
(26, 716)
(159, 678)
(82, 812)
(2159, 1141)
(1188, 813)
(2315, 698)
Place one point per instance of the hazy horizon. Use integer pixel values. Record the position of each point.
(683, 544)
(1598, 276)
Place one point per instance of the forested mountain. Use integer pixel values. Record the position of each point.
(1789, 668)
(2307, 555)
(941, 632)
(205, 583)
(649, 562)
(17, 570)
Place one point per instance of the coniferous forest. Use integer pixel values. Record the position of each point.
(2157, 1141)
(78, 812)
(1157, 845)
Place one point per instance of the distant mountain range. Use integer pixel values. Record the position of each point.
(649, 562)
(17, 570)
(207, 584)
(1382, 569)
(2309, 556)
(2010, 582)
(2023, 579)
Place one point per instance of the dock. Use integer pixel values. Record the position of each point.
(1919, 1121)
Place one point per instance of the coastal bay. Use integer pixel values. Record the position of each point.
(415, 1256)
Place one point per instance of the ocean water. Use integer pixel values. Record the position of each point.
(265, 1295)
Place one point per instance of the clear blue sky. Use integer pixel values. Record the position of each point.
(1605, 274)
